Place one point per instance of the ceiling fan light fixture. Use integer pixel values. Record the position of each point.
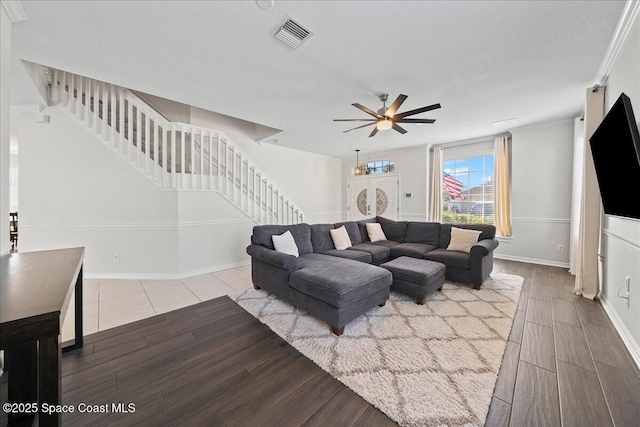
(385, 124)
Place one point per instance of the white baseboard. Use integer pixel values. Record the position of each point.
(632, 345)
(531, 260)
(153, 276)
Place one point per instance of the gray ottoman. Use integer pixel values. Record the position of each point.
(415, 277)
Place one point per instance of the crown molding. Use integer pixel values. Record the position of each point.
(625, 24)
(543, 125)
(14, 10)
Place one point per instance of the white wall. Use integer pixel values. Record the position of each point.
(5, 119)
(411, 164)
(541, 204)
(621, 237)
(542, 164)
(75, 191)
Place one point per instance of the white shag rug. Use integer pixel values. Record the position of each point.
(422, 365)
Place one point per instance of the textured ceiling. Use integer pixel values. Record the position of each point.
(483, 61)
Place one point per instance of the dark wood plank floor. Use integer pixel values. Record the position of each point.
(214, 364)
(565, 364)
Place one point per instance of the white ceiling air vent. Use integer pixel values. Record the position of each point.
(292, 33)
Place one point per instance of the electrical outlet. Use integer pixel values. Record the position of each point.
(560, 248)
(116, 257)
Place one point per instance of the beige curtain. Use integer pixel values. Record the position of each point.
(587, 283)
(435, 192)
(502, 185)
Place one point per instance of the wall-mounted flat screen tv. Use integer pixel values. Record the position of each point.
(615, 147)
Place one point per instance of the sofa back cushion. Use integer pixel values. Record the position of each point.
(301, 234)
(321, 237)
(394, 230)
(352, 230)
(363, 229)
(488, 232)
(427, 233)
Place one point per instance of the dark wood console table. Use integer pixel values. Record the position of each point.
(35, 292)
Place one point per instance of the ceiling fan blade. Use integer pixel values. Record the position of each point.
(399, 129)
(373, 132)
(394, 107)
(355, 120)
(368, 111)
(416, 121)
(349, 130)
(416, 111)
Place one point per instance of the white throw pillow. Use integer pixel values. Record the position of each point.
(462, 239)
(374, 230)
(340, 238)
(284, 243)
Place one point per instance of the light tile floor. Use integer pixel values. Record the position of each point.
(111, 303)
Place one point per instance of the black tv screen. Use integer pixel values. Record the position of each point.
(615, 147)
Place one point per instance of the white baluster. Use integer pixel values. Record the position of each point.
(61, 87)
(210, 160)
(130, 147)
(94, 111)
(165, 154)
(55, 88)
(80, 98)
(226, 167)
(73, 101)
(156, 151)
(105, 112)
(218, 162)
(238, 179)
(202, 182)
(147, 146)
(121, 113)
(174, 161)
(192, 162)
(183, 162)
(233, 172)
(87, 101)
(139, 135)
(113, 107)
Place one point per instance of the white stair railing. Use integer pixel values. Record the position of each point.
(172, 155)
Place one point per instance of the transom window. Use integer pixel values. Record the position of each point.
(376, 167)
(468, 190)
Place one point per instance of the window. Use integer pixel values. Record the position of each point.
(376, 167)
(467, 189)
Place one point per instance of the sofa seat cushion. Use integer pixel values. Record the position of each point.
(385, 243)
(378, 253)
(354, 255)
(415, 250)
(453, 259)
(338, 281)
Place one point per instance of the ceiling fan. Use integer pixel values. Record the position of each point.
(386, 118)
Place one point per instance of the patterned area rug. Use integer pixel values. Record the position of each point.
(422, 365)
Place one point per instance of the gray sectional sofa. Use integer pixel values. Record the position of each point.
(338, 286)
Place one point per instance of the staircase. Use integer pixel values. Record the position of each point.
(172, 155)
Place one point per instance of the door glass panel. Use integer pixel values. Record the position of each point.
(362, 202)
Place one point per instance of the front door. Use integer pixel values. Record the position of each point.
(370, 196)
